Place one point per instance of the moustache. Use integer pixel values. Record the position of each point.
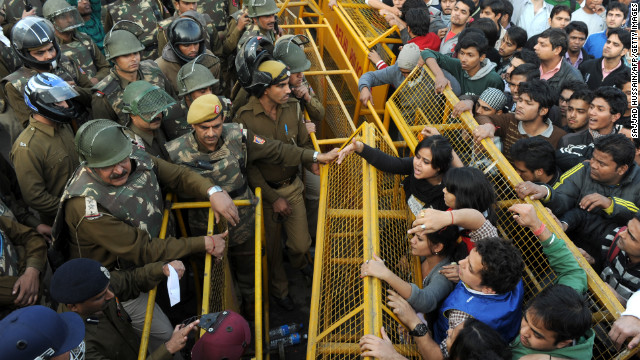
(118, 176)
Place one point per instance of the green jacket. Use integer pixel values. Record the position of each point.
(583, 349)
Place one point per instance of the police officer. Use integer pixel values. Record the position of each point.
(74, 44)
(111, 209)
(44, 156)
(123, 48)
(146, 13)
(263, 20)
(269, 114)
(14, 10)
(186, 41)
(221, 151)
(256, 50)
(146, 103)
(194, 80)
(188, 8)
(33, 40)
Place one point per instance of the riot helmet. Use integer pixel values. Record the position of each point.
(44, 90)
(257, 8)
(185, 31)
(146, 100)
(195, 75)
(63, 16)
(288, 49)
(101, 143)
(32, 33)
(251, 55)
(123, 39)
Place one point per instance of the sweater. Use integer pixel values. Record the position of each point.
(435, 288)
(390, 75)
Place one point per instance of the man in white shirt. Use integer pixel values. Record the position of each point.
(534, 17)
(589, 16)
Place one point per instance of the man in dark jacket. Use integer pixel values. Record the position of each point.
(600, 72)
(552, 44)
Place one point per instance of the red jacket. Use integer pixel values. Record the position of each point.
(429, 41)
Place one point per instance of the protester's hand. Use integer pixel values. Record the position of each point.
(177, 265)
(625, 327)
(355, 145)
(179, 338)
(483, 131)
(325, 158)
(451, 272)
(441, 83)
(281, 206)
(594, 202)
(622, 300)
(429, 221)
(374, 267)
(215, 244)
(332, 4)
(379, 348)
(461, 106)
(525, 215)
(243, 20)
(374, 57)
(223, 206)
(365, 96)
(442, 33)
(26, 287)
(533, 191)
(587, 257)
(45, 231)
(562, 225)
(428, 131)
(301, 92)
(405, 313)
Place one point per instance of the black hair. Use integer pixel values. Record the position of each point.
(530, 71)
(562, 310)
(557, 37)
(472, 190)
(448, 237)
(528, 56)
(441, 152)
(585, 95)
(539, 91)
(472, 38)
(619, 6)
(418, 19)
(470, 4)
(621, 78)
(558, 9)
(536, 153)
(618, 146)
(572, 84)
(478, 340)
(623, 35)
(508, 8)
(502, 264)
(616, 99)
(579, 26)
(411, 4)
(636, 143)
(489, 29)
(497, 6)
(518, 35)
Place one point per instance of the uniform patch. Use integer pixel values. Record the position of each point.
(258, 140)
(91, 209)
(216, 109)
(23, 144)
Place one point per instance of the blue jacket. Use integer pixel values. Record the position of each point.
(595, 44)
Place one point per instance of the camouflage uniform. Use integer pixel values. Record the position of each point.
(170, 64)
(146, 13)
(153, 144)
(212, 41)
(86, 54)
(67, 69)
(219, 11)
(107, 97)
(44, 157)
(255, 30)
(11, 13)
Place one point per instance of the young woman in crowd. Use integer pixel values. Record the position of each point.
(473, 340)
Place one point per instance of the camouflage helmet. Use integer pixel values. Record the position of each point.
(101, 143)
(123, 39)
(31, 33)
(194, 76)
(63, 16)
(185, 31)
(257, 8)
(289, 50)
(146, 100)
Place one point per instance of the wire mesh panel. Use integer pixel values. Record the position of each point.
(414, 105)
(362, 212)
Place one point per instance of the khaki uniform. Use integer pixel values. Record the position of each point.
(120, 229)
(11, 203)
(279, 181)
(106, 102)
(22, 247)
(152, 143)
(170, 64)
(86, 53)
(146, 13)
(314, 108)
(67, 69)
(44, 157)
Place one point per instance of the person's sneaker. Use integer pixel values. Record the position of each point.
(286, 303)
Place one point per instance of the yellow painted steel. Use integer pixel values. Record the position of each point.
(415, 105)
(206, 283)
(362, 212)
(261, 273)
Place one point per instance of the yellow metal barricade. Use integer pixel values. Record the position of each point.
(414, 105)
(362, 212)
(218, 275)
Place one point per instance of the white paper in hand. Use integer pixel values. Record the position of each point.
(173, 286)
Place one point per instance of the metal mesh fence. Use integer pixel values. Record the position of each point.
(414, 105)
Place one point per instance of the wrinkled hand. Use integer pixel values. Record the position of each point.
(177, 265)
(441, 83)
(281, 206)
(451, 272)
(215, 244)
(325, 158)
(301, 92)
(460, 107)
(365, 96)
(428, 131)
(442, 33)
(483, 131)
(311, 127)
(533, 191)
(44, 230)
(374, 57)
(625, 327)
(429, 221)
(243, 20)
(379, 348)
(223, 206)
(179, 338)
(587, 257)
(525, 215)
(374, 267)
(355, 146)
(403, 310)
(594, 201)
(26, 287)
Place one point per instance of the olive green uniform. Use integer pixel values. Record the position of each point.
(212, 40)
(219, 10)
(170, 64)
(11, 13)
(314, 108)
(22, 247)
(44, 157)
(9, 63)
(279, 181)
(86, 54)
(11, 203)
(255, 30)
(152, 143)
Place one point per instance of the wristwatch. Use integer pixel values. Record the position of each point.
(214, 189)
(420, 330)
(315, 156)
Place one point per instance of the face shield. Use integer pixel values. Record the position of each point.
(66, 19)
